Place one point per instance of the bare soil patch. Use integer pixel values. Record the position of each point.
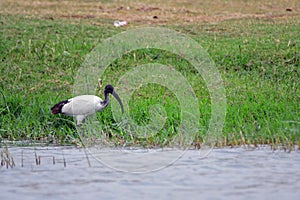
(155, 11)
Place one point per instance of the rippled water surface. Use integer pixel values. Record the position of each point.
(70, 173)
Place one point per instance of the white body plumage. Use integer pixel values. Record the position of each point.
(82, 106)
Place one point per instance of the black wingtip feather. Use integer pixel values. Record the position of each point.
(56, 109)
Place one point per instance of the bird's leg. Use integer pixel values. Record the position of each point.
(79, 125)
(80, 119)
(81, 129)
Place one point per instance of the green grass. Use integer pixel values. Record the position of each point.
(258, 59)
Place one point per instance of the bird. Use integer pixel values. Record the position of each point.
(80, 107)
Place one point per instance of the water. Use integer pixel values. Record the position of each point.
(66, 173)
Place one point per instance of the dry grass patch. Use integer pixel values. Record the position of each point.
(154, 11)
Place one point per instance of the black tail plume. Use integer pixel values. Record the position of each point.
(56, 109)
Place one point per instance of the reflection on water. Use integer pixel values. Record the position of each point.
(70, 173)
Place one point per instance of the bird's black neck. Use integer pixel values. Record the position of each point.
(106, 100)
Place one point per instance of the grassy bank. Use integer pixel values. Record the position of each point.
(258, 59)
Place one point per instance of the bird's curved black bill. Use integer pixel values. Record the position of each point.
(118, 99)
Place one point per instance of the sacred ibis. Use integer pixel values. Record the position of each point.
(83, 106)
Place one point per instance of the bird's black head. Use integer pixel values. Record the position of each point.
(109, 89)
